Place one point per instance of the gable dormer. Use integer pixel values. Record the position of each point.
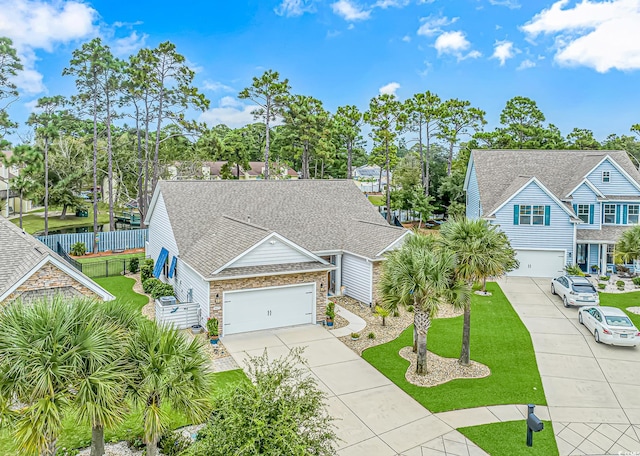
(612, 180)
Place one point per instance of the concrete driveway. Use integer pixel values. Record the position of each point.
(374, 416)
(593, 390)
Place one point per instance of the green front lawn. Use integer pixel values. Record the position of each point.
(122, 288)
(498, 339)
(510, 437)
(33, 223)
(76, 434)
(622, 301)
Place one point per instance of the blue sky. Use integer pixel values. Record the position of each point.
(577, 60)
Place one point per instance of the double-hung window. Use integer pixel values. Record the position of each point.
(609, 213)
(531, 215)
(583, 212)
(606, 176)
(632, 214)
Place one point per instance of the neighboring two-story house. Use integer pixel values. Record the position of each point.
(558, 207)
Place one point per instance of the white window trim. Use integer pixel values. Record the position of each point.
(588, 212)
(629, 214)
(531, 215)
(604, 214)
(608, 175)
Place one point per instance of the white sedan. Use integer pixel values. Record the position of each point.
(609, 325)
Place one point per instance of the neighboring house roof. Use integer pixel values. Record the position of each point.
(21, 254)
(502, 172)
(216, 221)
(370, 171)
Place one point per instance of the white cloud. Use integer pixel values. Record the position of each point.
(406, 39)
(526, 64)
(215, 86)
(389, 89)
(39, 25)
(511, 4)
(350, 11)
(599, 35)
(456, 44)
(384, 4)
(294, 8)
(432, 25)
(231, 112)
(503, 51)
(128, 45)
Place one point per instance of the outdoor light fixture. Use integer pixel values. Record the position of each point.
(217, 298)
(321, 285)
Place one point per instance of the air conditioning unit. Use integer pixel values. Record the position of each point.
(167, 300)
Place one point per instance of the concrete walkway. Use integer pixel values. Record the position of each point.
(374, 416)
(593, 390)
(490, 414)
(356, 324)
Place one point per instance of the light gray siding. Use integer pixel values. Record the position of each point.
(584, 195)
(558, 235)
(188, 284)
(161, 235)
(474, 209)
(271, 251)
(618, 185)
(593, 256)
(357, 277)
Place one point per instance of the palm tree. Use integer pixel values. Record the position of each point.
(628, 247)
(421, 275)
(482, 251)
(49, 352)
(167, 370)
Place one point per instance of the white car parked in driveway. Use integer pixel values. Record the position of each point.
(609, 325)
(575, 291)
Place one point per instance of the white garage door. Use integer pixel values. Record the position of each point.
(539, 263)
(266, 308)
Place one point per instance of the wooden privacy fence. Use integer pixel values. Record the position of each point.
(107, 240)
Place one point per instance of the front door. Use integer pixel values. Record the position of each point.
(582, 255)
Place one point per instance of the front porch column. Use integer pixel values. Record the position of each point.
(603, 259)
(337, 275)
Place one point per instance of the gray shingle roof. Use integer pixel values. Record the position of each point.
(606, 233)
(20, 253)
(501, 172)
(208, 218)
(273, 269)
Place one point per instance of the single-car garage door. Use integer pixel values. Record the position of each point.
(539, 263)
(266, 308)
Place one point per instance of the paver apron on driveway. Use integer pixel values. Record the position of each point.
(374, 416)
(593, 390)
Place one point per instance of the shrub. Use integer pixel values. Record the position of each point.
(476, 287)
(410, 309)
(396, 313)
(146, 271)
(636, 281)
(620, 283)
(331, 312)
(149, 284)
(602, 286)
(134, 265)
(136, 443)
(604, 278)
(355, 335)
(78, 249)
(162, 289)
(383, 313)
(174, 443)
(212, 326)
(371, 335)
(574, 269)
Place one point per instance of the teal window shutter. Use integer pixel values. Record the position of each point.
(516, 214)
(547, 215)
(592, 214)
(624, 214)
(617, 214)
(575, 208)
